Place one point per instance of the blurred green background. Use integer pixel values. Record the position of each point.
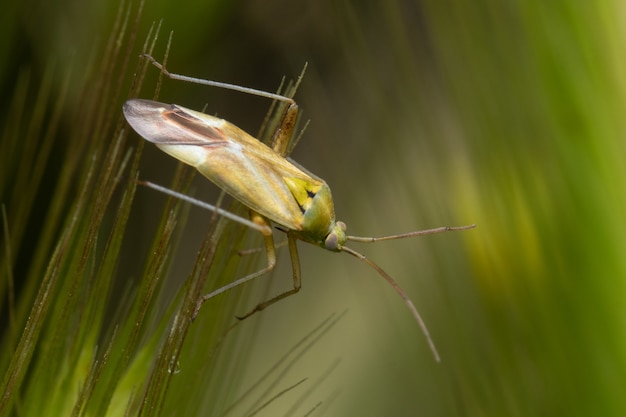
(509, 115)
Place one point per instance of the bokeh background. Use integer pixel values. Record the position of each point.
(509, 115)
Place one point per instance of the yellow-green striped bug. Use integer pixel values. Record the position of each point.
(260, 177)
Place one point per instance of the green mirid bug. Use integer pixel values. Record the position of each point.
(276, 190)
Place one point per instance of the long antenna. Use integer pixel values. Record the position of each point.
(410, 234)
(402, 294)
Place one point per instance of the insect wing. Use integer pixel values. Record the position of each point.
(245, 168)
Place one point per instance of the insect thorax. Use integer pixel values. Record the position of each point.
(316, 202)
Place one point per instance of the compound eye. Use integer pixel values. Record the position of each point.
(332, 242)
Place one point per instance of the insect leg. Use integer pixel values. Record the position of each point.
(262, 227)
(270, 250)
(281, 142)
(212, 83)
(295, 265)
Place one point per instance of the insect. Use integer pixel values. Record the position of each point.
(276, 190)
